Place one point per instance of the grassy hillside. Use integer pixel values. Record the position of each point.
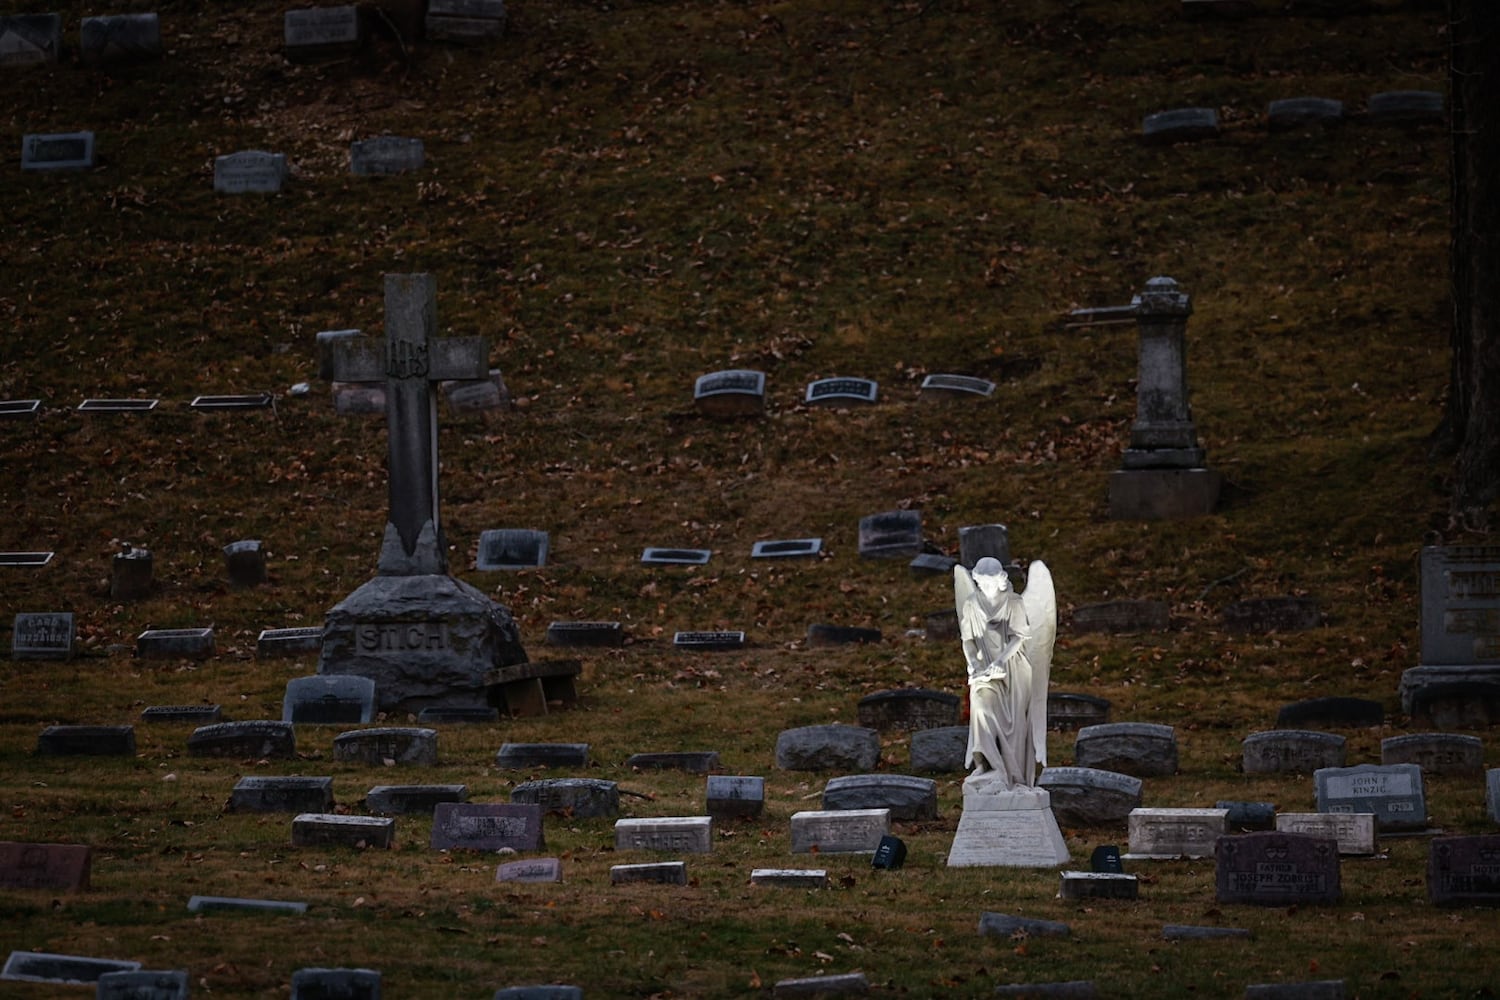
(622, 197)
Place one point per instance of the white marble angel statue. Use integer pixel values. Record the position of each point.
(1007, 640)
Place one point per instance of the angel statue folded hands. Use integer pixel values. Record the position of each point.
(1007, 641)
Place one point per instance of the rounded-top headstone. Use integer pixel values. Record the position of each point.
(828, 748)
(1142, 749)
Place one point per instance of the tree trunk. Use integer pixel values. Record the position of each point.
(1472, 423)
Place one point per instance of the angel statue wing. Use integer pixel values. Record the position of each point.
(972, 623)
(1040, 601)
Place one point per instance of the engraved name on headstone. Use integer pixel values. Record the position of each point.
(661, 872)
(659, 556)
(289, 641)
(1175, 833)
(487, 826)
(175, 643)
(1277, 869)
(412, 800)
(892, 534)
(293, 794)
(786, 548)
(579, 798)
(1354, 832)
(908, 709)
(855, 831)
(196, 715)
(680, 834)
(732, 796)
(254, 739)
(530, 870)
(1291, 751)
(830, 747)
(731, 393)
(328, 698)
(907, 797)
(941, 386)
(1464, 871)
(841, 391)
(1144, 749)
(250, 171)
(42, 636)
(1394, 793)
(1435, 753)
(385, 746)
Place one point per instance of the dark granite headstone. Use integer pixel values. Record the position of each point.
(234, 403)
(660, 872)
(659, 556)
(983, 541)
(1272, 614)
(1066, 710)
(1122, 617)
(464, 714)
(412, 800)
(1453, 704)
(926, 564)
(386, 155)
(1406, 107)
(234, 904)
(486, 826)
(1277, 869)
(841, 635)
(943, 387)
(245, 563)
(942, 626)
(580, 798)
(258, 794)
(1335, 711)
(841, 391)
(335, 984)
(250, 171)
(29, 39)
(58, 151)
(243, 739)
(828, 748)
(733, 796)
(512, 548)
(196, 715)
(1460, 617)
(605, 634)
(289, 641)
(175, 643)
(1297, 112)
(890, 853)
(691, 761)
(42, 636)
(1144, 749)
(908, 798)
(677, 834)
(840, 984)
(1181, 125)
(1464, 871)
(1087, 796)
(1435, 753)
(1099, 885)
(908, 710)
(894, 534)
(93, 741)
(329, 699)
(318, 31)
(387, 745)
(1394, 793)
(1248, 816)
(939, 750)
(1291, 751)
(143, 984)
(63, 867)
(465, 22)
(331, 830)
(517, 756)
(46, 967)
(786, 548)
(1106, 858)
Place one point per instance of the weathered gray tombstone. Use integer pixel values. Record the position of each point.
(1259, 615)
(579, 798)
(386, 155)
(476, 395)
(424, 638)
(327, 342)
(790, 878)
(1298, 112)
(1122, 617)
(1098, 885)
(1394, 793)
(1277, 869)
(828, 748)
(1067, 710)
(288, 641)
(1353, 832)
(841, 392)
(314, 32)
(734, 796)
(58, 151)
(908, 710)
(1087, 796)
(1162, 474)
(48, 967)
(130, 575)
(412, 800)
(658, 872)
(20, 409)
(604, 634)
(1435, 753)
(328, 699)
(840, 635)
(530, 870)
(387, 746)
(1457, 683)
(655, 555)
(1406, 107)
(1464, 871)
(851, 831)
(512, 548)
(331, 830)
(197, 715)
(677, 834)
(86, 741)
(42, 636)
(708, 642)
(465, 22)
(942, 626)
(1291, 751)
(907, 797)
(63, 867)
(892, 534)
(691, 761)
(252, 739)
(271, 794)
(980, 541)
(939, 750)
(1163, 834)
(840, 984)
(119, 38)
(786, 548)
(28, 560)
(1334, 711)
(245, 563)
(29, 39)
(931, 564)
(251, 171)
(143, 984)
(730, 393)
(220, 904)
(1248, 816)
(175, 643)
(335, 984)
(487, 826)
(1180, 125)
(943, 388)
(519, 756)
(1006, 926)
(1144, 749)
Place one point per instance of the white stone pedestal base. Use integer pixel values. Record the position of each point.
(1014, 828)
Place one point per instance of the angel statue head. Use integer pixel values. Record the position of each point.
(990, 577)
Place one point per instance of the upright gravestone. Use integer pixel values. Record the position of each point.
(1162, 475)
(979, 541)
(487, 826)
(465, 21)
(29, 39)
(512, 548)
(1277, 869)
(908, 710)
(328, 699)
(62, 867)
(313, 32)
(1144, 749)
(426, 639)
(1393, 792)
(1458, 680)
(335, 984)
(732, 393)
(251, 171)
(42, 636)
(893, 534)
(119, 38)
(245, 563)
(1464, 871)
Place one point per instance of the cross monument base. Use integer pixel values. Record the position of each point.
(1009, 828)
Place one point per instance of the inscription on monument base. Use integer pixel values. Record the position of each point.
(400, 637)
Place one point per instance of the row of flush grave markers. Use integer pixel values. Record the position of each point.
(257, 171)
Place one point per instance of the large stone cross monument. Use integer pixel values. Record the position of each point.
(424, 638)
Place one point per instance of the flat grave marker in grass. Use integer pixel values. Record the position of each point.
(841, 392)
(1406, 107)
(512, 548)
(790, 878)
(175, 643)
(47, 967)
(1180, 125)
(691, 761)
(90, 741)
(786, 548)
(143, 984)
(476, 395)
(237, 904)
(530, 870)
(892, 534)
(250, 171)
(57, 151)
(841, 635)
(708, 642)
(42, 635)
(232, 403)
(732, 393)
(659, 872)
(486, 826)
(1394, 793)
(659, 556)
(1261, 615)
(97, 405)
(17, 408)
(386, 155)
(26, 560)
(296, 641)
(838, 984)
(586, 633)
(955, 387)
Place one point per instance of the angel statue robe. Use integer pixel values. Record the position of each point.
(1007, 641)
